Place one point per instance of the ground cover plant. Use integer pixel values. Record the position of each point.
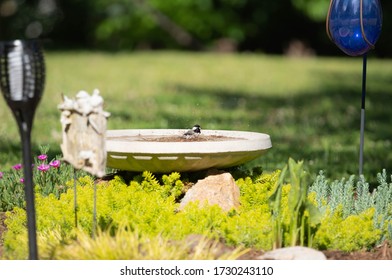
(49, 174)
(277, 210)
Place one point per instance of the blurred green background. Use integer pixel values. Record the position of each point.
(279, 26)
(256, 65)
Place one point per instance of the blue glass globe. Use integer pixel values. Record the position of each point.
(354, 25)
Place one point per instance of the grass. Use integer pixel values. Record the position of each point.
(310, 107)
(127, 245)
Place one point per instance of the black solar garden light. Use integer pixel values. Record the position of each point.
(22, 79)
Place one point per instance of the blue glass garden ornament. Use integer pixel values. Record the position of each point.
(354, 25)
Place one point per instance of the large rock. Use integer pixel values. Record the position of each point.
(219, 189)
(293, 253)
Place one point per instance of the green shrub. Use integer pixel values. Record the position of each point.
(252, 228)
(170, 185)
(145, 206)
(256, 191)
(347, 198)
(274, 208)
(355, 232)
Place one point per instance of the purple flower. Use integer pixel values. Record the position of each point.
(17, 166)
(43, 167)
(1, 174)
(42, 157)
(55, 164)
(21, 180)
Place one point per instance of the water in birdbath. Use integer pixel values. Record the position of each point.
(174, 138)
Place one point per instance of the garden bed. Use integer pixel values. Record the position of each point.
(383, 252)
(343, 219)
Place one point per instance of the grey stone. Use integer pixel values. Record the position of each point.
(293, 253)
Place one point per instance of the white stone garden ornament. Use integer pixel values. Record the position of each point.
(83, 123)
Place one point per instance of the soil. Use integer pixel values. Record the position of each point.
(176, 138)
(383, 252)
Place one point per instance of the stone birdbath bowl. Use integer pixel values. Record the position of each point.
(167, 150)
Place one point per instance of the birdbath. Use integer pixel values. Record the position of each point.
(167, 150)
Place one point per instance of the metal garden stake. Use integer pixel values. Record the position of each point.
(355, 26)
(22, 74)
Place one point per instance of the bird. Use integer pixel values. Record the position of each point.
(195, 131)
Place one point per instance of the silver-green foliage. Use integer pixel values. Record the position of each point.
(383, 202)
(354, 197)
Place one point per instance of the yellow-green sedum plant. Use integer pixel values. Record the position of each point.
(359, 218)
(277, 209)
(146, 206)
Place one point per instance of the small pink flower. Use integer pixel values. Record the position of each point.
(17, 166)
(1, 175)
(42, 157)
(55, 164)
(21, 180)
(43, 167)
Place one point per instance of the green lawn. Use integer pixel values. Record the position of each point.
(310, 107)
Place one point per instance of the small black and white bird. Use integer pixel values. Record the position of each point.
(195, 131)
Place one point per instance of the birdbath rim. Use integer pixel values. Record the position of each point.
(137, 150)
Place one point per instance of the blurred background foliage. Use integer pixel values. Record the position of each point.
(280, 26)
